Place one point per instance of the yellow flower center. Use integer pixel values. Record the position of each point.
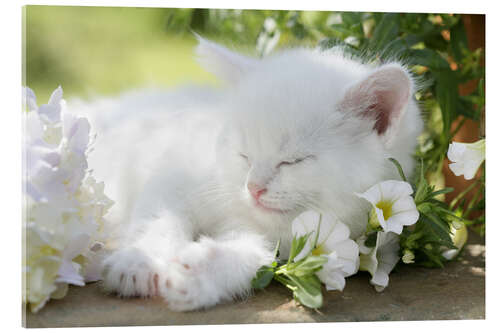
(318, 250)
(386, 207)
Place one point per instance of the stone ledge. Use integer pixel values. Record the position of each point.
(414, 293)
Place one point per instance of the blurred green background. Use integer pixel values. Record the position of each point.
(105, 50)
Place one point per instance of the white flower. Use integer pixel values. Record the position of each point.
(332, 241)
(392, 205)
(69, 270)
(63, 206)
(29, 100)
(51, 112)
(381, 259)
(40, 265)
(466, 158)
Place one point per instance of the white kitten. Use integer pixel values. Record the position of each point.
(206, 181)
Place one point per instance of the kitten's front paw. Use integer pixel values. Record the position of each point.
(190, 282)
(130, 272)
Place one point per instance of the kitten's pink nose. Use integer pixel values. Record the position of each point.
(255, 190)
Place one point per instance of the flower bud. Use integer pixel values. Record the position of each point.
(408, 257)
(457, 225)
(374, 221)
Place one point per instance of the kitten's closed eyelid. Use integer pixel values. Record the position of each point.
(295, 161)
(245, 157)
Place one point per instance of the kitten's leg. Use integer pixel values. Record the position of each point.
(212, 270)
(137, 266)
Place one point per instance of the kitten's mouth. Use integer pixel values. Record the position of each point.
(270, 209)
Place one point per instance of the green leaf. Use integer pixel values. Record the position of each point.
(277, 249)
(351, 18)
(443, 191)
(467, 108)
(447, 97)
(344, 32)
(371, 240)
(441, 228)
(422, 186)
(424, 207)
(400, 169)
(297, 246)
(458, 40)
(263, 277)
(309, 265)
(437, 203)
(428, 58)
(385, 31)
(433, 257)
(307, 290)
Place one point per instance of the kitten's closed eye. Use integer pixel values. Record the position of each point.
(245, 157)
(294, 161)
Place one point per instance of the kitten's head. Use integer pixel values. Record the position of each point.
(307, 128)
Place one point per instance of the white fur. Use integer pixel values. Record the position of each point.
(189, 229)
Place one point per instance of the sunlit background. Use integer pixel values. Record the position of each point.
(105, 50)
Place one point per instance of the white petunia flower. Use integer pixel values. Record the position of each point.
(333, 242)
(381, 259)
(466, 158)
(392, 205)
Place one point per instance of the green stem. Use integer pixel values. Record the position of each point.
(283, 281)
(317, 233)
(462, 194)
(471, 203)
(462, 122)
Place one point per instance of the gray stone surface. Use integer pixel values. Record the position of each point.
(414, 293)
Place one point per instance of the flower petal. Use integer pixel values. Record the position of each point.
(393, 189)
(76, 131)
(76, 246)
(29, 99)
(380, 217)
(408, 217)
(466, 158)
(372, 195)
(68, 273)
(331, 230)
(380, 280)
(56, 96)
(382, 259)
(332, 280)
(339, 233)
(363, 249)
(51, 112)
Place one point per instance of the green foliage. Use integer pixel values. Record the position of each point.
(430, 236)
(298, 276)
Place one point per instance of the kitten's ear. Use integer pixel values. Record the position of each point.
(225, 64)
(381, 97)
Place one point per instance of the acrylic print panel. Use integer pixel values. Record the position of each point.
(223, 166)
